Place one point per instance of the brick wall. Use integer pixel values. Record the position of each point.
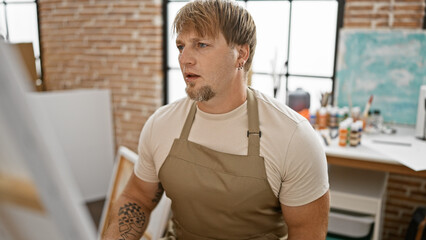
(384, 13)
(404, 193)
(114, 45)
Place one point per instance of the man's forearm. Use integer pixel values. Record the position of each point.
(129, 214)
(127, 220)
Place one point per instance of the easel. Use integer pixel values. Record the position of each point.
(44, 183)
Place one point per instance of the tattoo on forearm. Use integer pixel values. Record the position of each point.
(158, 194)
(131, 221)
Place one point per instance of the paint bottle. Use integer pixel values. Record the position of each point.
(332, 120)
(343, 134)
(354, 136)
(322, 118)
(378, 120)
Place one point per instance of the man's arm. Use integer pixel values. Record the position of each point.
(129, 214)
(308, 222)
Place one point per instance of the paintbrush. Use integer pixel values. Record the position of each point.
(367, 106)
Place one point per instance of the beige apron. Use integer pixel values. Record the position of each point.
(217, 195)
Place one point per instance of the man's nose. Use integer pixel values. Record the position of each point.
(186, 57)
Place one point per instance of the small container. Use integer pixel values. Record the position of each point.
(351, 225)
(322, 118)
(343, 134)
(377, 120)
(332, 121)
(354, 136)
(299, 100)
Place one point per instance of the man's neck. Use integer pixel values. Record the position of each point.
(226, 101)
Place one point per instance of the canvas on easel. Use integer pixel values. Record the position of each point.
(33, 167)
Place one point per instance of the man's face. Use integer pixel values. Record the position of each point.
(208, 64)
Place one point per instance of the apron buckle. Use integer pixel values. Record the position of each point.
(256, 133)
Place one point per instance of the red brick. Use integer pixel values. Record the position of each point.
(413, 16)
(410, 1)
(348, 24)
(416, 8)
(353, 8)
(414, 25)
(404, 181)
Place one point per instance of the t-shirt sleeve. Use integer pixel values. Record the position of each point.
(145, 167)
(305, 176)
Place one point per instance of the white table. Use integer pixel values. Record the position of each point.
(372, 155)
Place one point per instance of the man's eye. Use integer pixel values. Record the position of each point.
(202, 45)
(180, 48)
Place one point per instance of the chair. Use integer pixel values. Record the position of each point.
(123, 168)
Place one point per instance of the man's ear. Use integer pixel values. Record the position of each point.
(243, 52)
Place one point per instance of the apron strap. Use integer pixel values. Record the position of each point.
(253, 132)
(188, 123)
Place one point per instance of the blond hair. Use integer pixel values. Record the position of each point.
(208, 17)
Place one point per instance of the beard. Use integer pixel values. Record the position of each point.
(205, 93)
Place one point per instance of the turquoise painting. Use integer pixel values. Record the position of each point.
(389, 64)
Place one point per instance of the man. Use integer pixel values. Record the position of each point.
(235, 163)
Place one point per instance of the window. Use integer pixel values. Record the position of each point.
(19, 23)
(296, 47)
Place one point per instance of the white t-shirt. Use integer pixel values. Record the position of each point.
(295, 161)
